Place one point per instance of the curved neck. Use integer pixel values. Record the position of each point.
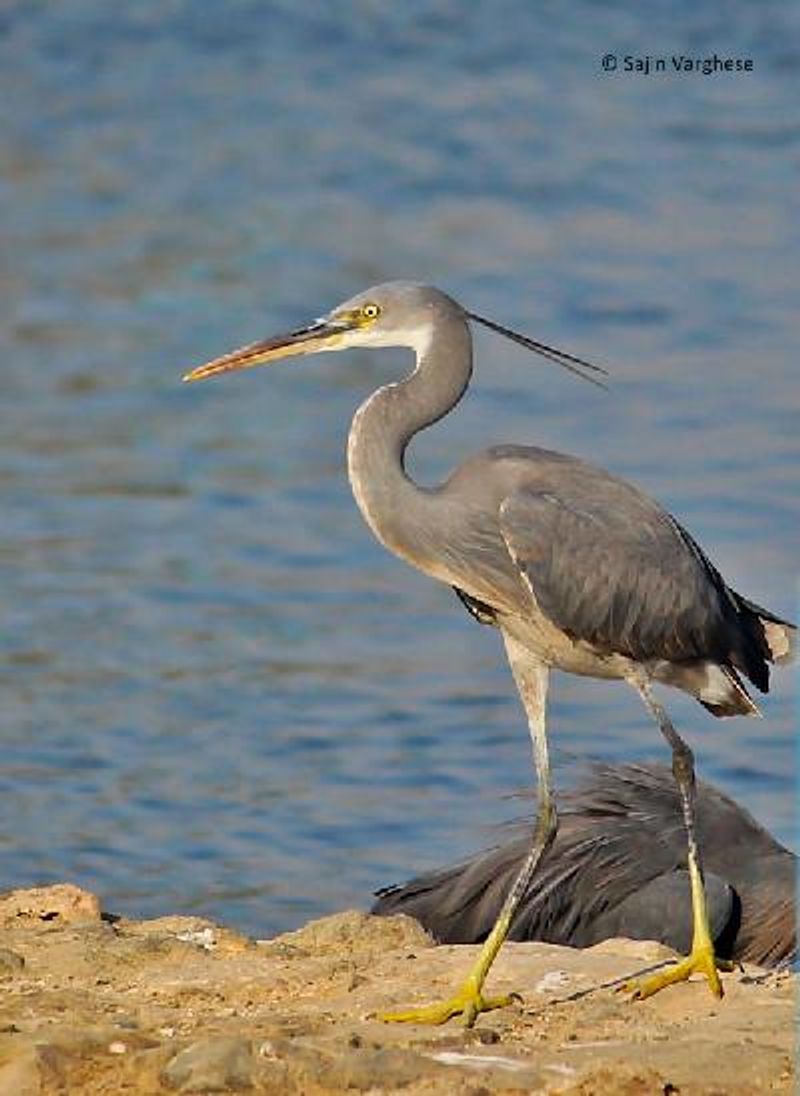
(386, 422)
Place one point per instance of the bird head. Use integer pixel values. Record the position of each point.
(392, 314)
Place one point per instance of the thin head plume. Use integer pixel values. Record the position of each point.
(575, 365)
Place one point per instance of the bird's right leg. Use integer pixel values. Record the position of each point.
(701, 959)
(531, 678)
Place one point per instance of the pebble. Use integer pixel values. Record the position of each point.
(553, 980)
(201, 938)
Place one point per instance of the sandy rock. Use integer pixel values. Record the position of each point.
(198, 931)
(32, 1069)
(10, 963)
(200, 1009)
(19, 1072)
(62, 903)
(211, 1065)
(644, 951)
(353, 934)
(624, 1081)
(365, 1070)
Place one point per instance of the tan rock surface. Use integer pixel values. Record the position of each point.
(62, 902)
(180, 1004)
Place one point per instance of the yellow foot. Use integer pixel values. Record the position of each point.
(700, 961)
(468, 1002)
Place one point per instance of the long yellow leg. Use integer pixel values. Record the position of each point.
(469, 1001)
(701, 959)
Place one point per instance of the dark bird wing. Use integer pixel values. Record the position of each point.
(609, 567)
(618, 868)
(662, 910)
(459, 905)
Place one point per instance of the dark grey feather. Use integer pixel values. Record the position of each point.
(618, 867)
(608, 566)
(483, 613)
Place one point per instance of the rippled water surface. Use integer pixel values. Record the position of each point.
(219, 693)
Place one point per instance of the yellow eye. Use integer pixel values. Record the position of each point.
(370, 311)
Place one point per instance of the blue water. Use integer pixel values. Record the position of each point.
(219, 694)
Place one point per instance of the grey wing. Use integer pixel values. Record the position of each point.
(662, 910)
(459, 905)
(621, 575)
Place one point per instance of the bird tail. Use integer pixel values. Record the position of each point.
(717, 686)
(779, 637)
(763, 639)
(723, 693)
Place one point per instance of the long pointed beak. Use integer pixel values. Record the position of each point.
(318, 336)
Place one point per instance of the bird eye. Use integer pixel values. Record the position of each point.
(370, 311)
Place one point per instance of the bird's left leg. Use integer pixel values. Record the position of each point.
(701, 959)
(531, 678)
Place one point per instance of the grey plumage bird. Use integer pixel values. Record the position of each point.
(579, 570)
(618, 867)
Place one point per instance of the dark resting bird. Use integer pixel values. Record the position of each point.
(577, 569)
(618, 867)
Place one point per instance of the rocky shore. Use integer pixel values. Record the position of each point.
(97, 1004)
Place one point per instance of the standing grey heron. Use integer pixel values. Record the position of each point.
(579, 571)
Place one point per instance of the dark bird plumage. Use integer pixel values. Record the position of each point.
(618, 868)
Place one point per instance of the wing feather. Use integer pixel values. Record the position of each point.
(626, 579)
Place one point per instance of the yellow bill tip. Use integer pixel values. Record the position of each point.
(307, 341)
(199, 373)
